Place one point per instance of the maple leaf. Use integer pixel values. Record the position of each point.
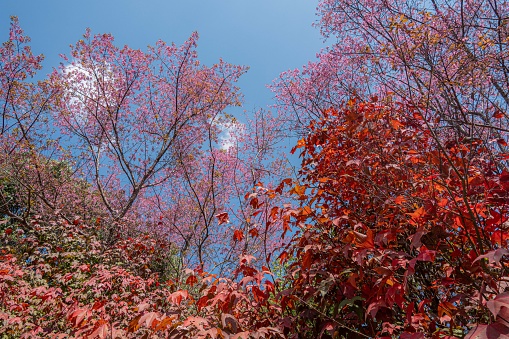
(202, 302)
(134, 324)
(254, 203)
(396, 124)
(300, 143)
(222, 218)
(229, 322)
(492, 331)
(98, 305)
(165, 322)
(142, 307)
(445, 311)
(374, 307)
(307, 259)
(238, 235)
(178, 296)
(246, 259)
(364, 240)
(78, 316)
(283, 257)
(191, 280)
(495, 305)
(101, 331)
(148, 318)
(298, 190)
(493, 256)
(253, 232)
(399, 200)
(417, 214)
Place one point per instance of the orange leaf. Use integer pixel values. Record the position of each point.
(286, 223)
(78, 316)
(98, 305)
(417, 214)
(300, 143)
(163, 325)
(273, 212)
(365, 241)
(134, 325)
(349, 238)
(306, 210)
(396, 124)
(417, 116)
(446, 307)
(443, 202)
(399, 200)
(298, 190)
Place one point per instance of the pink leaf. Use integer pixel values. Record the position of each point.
(101, 332)
(477, 332)
(493, 256)
(148, 318)
(495, 305)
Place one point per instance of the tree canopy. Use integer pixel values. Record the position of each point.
(133, 205)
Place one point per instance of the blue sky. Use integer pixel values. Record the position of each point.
(269, 36)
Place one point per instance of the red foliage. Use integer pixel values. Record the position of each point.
(401, 233)
(71, 294)
(402, 226)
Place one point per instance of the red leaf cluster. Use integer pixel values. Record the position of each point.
(401, 234)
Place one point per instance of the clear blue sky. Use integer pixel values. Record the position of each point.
(269, 36)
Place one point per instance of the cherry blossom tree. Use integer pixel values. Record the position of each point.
(33, 171)
(148, 136)
(144, 186)
(138, 117)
